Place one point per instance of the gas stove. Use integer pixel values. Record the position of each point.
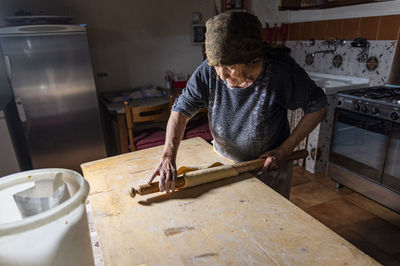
(380, 101)
(365, 147)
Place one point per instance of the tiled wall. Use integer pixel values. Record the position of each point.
(372, 28)
(383, 51)
(381, 32)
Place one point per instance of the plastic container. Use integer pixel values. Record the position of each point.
(58, 236)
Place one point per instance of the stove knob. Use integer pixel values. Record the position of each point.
(394, 116)
(356, 107)
(364, 108)
(375, 110)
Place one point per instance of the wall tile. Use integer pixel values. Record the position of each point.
(389, 27)
(369, 27)
(383, 50)
(294, 32)
(334, 28)
(350, 28)
(319, 30)
(306, 30)
(372, 28)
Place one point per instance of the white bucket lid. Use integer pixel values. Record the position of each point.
(77, 198)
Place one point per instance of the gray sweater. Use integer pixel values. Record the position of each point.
(247, 122)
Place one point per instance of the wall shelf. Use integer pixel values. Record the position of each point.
(296, 5)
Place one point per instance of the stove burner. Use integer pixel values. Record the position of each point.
(376, 92)
(380, 102)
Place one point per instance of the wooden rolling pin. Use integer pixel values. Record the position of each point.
(197, 177)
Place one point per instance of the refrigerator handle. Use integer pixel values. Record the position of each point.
(7, 61)
(20, 109)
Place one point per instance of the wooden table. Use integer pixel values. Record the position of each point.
(238, 221)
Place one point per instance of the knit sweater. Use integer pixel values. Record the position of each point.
(247, 122)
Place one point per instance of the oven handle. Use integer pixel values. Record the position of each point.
(379, 126)
(346, 128)
(356, 117)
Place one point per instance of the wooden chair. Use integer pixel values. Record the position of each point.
(198, 128)
(135, 115)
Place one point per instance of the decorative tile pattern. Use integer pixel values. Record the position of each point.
(309, 59)
(319, 140)
(337, 61)
(383, 50)
(294, 118)
(372, 63)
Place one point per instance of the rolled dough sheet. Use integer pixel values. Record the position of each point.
(208, 175)
(185, 169)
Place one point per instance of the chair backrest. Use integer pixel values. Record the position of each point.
(144, 114)
(150, 113)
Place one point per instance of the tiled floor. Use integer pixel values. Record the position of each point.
(369, 226)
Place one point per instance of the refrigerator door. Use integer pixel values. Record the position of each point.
(5, 87)
(52, 80)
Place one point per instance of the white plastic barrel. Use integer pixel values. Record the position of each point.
(58, 236)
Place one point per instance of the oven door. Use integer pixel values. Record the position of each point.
(391, 174)
(359, 143)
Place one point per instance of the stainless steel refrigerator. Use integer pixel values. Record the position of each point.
(52, 81)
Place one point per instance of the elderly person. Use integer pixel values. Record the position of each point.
(247, 90)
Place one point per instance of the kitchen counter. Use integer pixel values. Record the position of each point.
(236, 221)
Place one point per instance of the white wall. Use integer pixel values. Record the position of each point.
(133, 41)
(267, 11)
(137, 41)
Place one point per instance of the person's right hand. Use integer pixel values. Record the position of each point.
(167, 172)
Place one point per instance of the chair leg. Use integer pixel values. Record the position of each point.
(131, 143)
(129, 124)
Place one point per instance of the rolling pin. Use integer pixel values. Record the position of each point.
(197, 177)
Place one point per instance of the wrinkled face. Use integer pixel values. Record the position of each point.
(234, 75)
(237, 76)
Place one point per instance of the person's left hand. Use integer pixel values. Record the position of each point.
(274, 158)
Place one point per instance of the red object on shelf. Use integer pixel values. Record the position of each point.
(179, 84)
(267, 33)
(275, 34)
(283, 33)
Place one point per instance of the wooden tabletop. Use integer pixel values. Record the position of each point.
(238, 221)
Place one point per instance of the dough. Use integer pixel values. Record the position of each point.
(202, 176)
(185, 169)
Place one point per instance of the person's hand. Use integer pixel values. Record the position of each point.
(167, 172)
(274, 158)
